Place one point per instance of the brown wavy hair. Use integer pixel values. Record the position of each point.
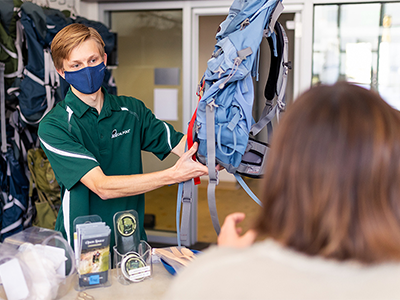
(332, 182)
(71, 37)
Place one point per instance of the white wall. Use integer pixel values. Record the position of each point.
(89, 10)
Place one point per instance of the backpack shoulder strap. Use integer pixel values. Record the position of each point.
(185, 191)
(3, 110)
(212, 173)
(277, 80)
(185, 200)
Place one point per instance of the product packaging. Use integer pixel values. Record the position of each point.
(132, 257)
(92, 252)
(36, 263)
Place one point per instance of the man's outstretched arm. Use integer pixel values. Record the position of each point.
(180, 148)
(107, 187)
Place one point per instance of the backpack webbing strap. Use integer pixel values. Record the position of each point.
(18, 55)
(13, 201)
(19, 141)
(276, 44)
(187, 200)
(268, 114)
(9, 205)
(11, 227)
(212, 173)
(184, 201)
(266, 117)
(275, 15)
(286, 64)
(3, 110)
(51, 82)
(9, 52)
(247, 189)
(178, 212)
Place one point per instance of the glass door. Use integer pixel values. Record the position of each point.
(150, 69)
(359, 43)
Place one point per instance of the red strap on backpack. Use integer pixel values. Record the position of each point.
(190, 131)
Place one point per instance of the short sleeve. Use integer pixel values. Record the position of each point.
(68, 157)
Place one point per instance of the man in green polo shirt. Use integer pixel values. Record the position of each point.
(94, 140)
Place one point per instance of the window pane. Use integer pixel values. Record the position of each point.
(326, 44)
(389, 55)
(359, 43)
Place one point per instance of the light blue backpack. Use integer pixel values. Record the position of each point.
(224, 120)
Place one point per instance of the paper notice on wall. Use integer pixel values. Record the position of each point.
(166, 104)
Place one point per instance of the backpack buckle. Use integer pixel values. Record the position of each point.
(254, 159)
(186, 199)
(288, 65)
(212, 104)
(245, 23)
(281, 105)
(214, 181)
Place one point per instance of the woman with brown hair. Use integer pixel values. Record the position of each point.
(331, 209)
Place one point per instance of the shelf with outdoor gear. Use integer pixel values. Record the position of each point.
(31, 87)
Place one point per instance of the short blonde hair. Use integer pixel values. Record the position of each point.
(70, 37)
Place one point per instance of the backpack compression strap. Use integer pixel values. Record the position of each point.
(184, 201)
(212, 173)
(18, 55)
(185, 191)
(276, 46)
(3, 110)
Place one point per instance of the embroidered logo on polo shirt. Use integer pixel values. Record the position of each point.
(115, 133)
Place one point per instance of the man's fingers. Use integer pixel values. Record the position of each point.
(194, 147)
(192, 150)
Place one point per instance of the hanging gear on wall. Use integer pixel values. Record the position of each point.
(13, 182)
(31, 88)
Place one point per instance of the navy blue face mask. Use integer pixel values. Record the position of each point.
(87, 80)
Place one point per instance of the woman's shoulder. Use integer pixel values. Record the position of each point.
(268, 270)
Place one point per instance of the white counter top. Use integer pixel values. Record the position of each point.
(150, 288)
